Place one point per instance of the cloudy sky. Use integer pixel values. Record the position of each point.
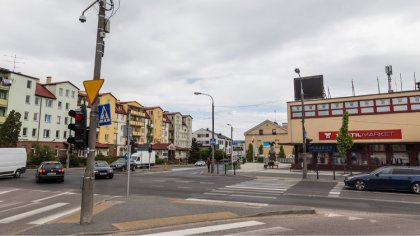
(242, 52)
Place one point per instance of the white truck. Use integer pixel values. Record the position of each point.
(141, 158)
(12, 161)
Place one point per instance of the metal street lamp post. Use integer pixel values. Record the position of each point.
(305, 167)
(212, 129)
(231, 144)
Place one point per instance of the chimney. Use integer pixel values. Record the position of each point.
(49, 79)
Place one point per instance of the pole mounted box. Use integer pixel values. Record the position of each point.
(79, 127)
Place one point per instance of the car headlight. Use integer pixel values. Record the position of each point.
(349, 177)
(95, 171)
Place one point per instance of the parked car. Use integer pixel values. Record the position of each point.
(387, 178)
(103, 170)
(200, 163)
(121, 164)
(49, 170)
(12, 161)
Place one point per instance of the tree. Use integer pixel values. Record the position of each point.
(40, 154)
(281, 154)
(10, 129)
(344, 139)
(260, 149)
(249, 153)
(195, 151)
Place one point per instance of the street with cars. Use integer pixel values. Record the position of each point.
(190, 192)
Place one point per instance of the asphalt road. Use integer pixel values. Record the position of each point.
(20, 196)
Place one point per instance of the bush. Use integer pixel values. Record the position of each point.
(260, 159)
(75, 161)
(40, 154)
(160, 161)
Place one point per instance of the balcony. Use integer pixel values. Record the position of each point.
(136, 123)
(3, 102)
(4, 87)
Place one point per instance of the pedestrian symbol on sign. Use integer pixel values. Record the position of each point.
(103, 112)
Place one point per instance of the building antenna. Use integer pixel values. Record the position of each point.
(388, 71)
(415, 81)
(329, 94)
(401, 81)
(352, 88)
(396, 87)
(15, 58)
(379, 88)
(275, 116)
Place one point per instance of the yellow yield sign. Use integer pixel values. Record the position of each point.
(92, 88)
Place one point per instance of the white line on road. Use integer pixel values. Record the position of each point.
(53, 217)
(185, 187)
(336, 191)
(53, 196)
(264, 231)
(8, 191)
(31, 213)
(183, 181)
(208, 229)
(251, 196)
(206, 183)
(21, 206)
(217, 194)
(274, 189)
(228, 202)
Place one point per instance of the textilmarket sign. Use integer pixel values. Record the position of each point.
(364, 134)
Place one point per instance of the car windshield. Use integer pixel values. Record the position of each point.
(382, 170)
(51, 166)
(101, 164)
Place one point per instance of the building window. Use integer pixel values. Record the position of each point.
(106, 137)
(297, 114)
(28, 99)
(66, 120)
(26, 115)
(60, 105)
(47, 119)
(24, 132)
(58, 119)
(57, 134)
(33, 132)
(67, 105)
(73, 94)
(65, 134)
(67, 93)
(28, 84)
(273, 132)
(48, 103)
(60, 91)
(46, 133)
(36, 101)
(359, 158)
(383, 109)
(309, 113)
(260, 132)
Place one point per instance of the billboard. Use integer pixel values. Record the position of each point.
(313, 87)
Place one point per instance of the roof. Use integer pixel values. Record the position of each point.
(152, 108)
(262, 123)
(62, 82)
(187, 116)
(109, 93)
(41, 91)
(166, 119)
(4, 70)
(132, 102)
(172, 113)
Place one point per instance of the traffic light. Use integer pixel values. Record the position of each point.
(308, 144)
(80, 138)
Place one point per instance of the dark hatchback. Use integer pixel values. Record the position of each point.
(103, 170)
(121, 164)
(49, 170)
(387, 178)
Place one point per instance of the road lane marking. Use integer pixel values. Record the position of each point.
(333, 215)
(217, 194)
(9, 204)
(8, 191)
(227, 202)
(185, 187)
(208, 229)
(21, 206)
(53, 196)
(206, 182)
(274, 189)
(31, 213)
(174, 220)
(355, 218)
(251, 196)
(183, 181)
(53, 217)
(336, 191)
(264, 231)
(255, 191)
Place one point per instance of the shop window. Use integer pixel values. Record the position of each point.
(323, 113)
(323, 107)
(415, 107)
(401, 108)
(383, 109)
(296, 108)
(399, 148)
(367, 110)
(378, 158)
(339, 159)
(323, 158)
(377, 148)
(309, 113)
(336, 112)
(310, 107)
(352, 104)
(399, 101)
(353, 111)
(366, 103)
(383, 102)
(297, 114)
(367, 106)
(359, 158)
(337, 105)
(400, 159)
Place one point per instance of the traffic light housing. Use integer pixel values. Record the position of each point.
(80, 137)
(308, 144)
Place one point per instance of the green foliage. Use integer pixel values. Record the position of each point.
(10, 129)
(204, 154)
(40, 154)
(195, 151)
(344, 139)
(219, 155)
(249, 153)
(260, 159)
(160, 161)
(281, 154)
(260, 149)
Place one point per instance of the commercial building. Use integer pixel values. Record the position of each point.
(385, 130)
(203, 137)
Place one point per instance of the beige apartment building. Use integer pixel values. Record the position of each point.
(265, 133)
(385, 129)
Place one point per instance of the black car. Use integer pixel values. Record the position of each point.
(387, 178)
(50, 170)
(121, 164)
(103, 170)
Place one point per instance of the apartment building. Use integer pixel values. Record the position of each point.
(179, 129)
(203, 137)
(156, 123)
(120, 123)
(137, 120)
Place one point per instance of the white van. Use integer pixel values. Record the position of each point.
(141, 158)
(12, 161)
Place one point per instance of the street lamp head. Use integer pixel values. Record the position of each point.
(297, 71)
(82, 18)
(197, 93)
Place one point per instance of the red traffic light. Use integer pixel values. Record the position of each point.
(76, 115)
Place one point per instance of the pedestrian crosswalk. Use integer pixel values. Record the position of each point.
(257, 188)
(335, 192)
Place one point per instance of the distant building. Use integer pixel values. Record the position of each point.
(203, 137)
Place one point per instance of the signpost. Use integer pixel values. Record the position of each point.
(104, 111)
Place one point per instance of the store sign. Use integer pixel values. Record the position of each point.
(364, 134)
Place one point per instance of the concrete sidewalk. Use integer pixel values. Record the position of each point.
(142, 212)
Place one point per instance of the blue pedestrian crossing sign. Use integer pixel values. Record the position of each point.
(104, 114)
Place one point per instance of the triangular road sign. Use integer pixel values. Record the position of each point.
(92, 88)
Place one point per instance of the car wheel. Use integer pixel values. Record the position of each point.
(111, 176)
(360, 185)
(37, 180)
(133, 168)
(17, 174)
(416, 188)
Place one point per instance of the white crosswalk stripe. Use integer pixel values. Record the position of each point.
(31, 213)
(336, 191)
